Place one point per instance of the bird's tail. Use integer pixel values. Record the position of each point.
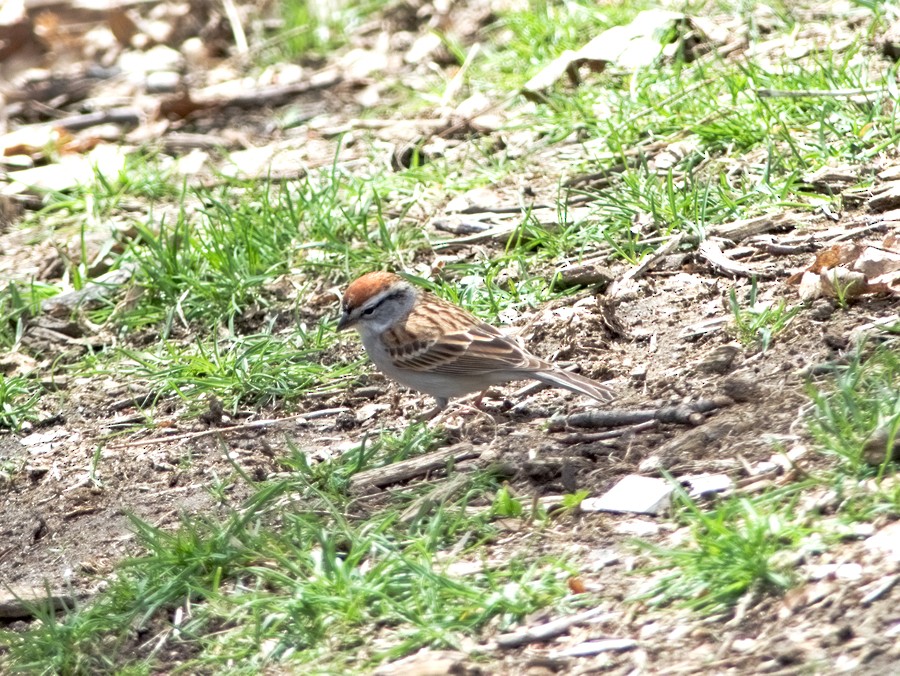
(575, 383)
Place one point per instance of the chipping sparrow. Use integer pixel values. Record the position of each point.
(438, 348)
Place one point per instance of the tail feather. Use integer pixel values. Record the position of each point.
(575, 383)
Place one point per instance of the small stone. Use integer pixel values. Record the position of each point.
(345, 421)
(875, 451)
(637, 527)
(764, 467)
(886, 542)
(652, 464)
(849, 571)
(743, 645)
(195, 52)
(369, 411)
(842, 283)
(700, 485)
(162, 82)
(583, 275)
(810, 288)
(719, 359)
(822, 309)
(741, 387)
(836, 341)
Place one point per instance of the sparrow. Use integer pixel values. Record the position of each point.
(435, 347)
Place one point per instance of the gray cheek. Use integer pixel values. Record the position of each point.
(378, 323)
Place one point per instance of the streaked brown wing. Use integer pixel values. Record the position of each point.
(480, 349)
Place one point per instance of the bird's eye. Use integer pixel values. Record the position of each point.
(368, 311)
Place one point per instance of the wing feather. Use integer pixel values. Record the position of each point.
(480, 349)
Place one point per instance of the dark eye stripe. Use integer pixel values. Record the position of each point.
(391, 296)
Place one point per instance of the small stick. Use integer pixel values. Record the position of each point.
(804, 93)
(690, 414)
(850, 234)
(237, 28)
(587, 437)
(711, 252)
(618, 286)
(216, 430)
(776, 249)
(407, 469)
(548, 630)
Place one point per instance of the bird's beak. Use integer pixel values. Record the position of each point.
(344, 322)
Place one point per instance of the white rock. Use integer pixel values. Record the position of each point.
(423, 48)
(743, 645)
(651, 464)
(162, 82)
(633, 494)
(705, 484)
(886, 541)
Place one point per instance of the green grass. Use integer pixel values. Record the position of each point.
(19, 398)
(744, 545)
(291, 577)
(756, 324)
(255, 370)
(313, 29)
(857, 419)
(18, 303)
(729, 550)
(709, 103)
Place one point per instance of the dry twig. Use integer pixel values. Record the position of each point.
(684, 414)
(544, 632)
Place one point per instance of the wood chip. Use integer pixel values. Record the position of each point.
(748, 227)
(413, 467)
(18, 601)
(887, 198)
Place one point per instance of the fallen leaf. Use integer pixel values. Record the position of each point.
(576, 585)
(633, 46)
(874, 262)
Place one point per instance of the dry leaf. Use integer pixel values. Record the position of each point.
(122, 26)
(633, 46)
(576, 585)
(874, 262)
(839, 254)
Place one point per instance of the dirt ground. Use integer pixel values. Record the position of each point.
(65, 518)
(58, 526)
